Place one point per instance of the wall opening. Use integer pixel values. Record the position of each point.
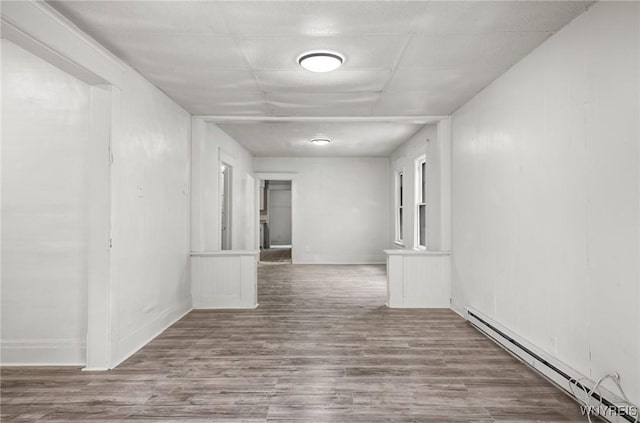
(276, 229)
(226, 181)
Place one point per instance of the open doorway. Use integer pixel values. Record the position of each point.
(275, 221)
(225, 206)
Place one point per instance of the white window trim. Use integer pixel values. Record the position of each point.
(398, 234)
(418, 201)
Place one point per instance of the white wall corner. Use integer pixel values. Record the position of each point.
(39, 28)
(130, 344)
(444, 141)
(99, 295)
(198, 134)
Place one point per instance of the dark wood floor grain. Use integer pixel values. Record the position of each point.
(320, 348)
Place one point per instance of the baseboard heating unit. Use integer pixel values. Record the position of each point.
(569, 380)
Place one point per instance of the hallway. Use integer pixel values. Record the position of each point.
(275, 255)
(321, 347)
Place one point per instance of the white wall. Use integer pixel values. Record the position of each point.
(403, 158)
(209, 146)
(546, 194)
(45, 122)
(340, 211)
(150, 214)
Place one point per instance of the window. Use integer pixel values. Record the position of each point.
(421, 203)
(399, 206)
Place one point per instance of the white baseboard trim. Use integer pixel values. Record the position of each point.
(43, 352)
(224, 306)
(95, 369)
(340, 263)
(130, 344)
(551, 368)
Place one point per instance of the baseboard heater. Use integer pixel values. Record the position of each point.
(558, 373)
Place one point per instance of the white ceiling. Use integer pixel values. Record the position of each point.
(291, 139)
(403, 58)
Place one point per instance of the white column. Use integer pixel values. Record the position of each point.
(99, 274)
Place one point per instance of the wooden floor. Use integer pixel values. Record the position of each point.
(276, 255)
(320, 348)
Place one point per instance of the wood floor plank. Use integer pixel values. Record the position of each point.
(322, 347)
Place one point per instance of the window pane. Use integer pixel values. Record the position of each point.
(423, 179)
(400, 189)
(400, 224)
(422, 224)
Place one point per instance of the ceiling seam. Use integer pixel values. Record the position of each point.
(393, 71)
(236, 40)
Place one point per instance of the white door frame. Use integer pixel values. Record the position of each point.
(226, 159)
(226, 188)
(281, 176)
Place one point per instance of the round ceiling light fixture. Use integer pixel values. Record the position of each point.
(320, 141)
(321, 60)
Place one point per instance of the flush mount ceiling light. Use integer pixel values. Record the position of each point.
(320, 60)
(320, 141)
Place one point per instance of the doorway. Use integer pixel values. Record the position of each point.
(226, 173)
(275, 221)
